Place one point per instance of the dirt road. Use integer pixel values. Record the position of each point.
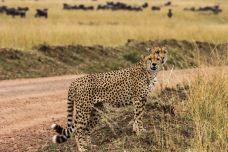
(29, 106)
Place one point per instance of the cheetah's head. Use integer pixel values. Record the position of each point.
(155, 59)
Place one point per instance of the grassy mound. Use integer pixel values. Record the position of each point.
(45, 60)
(168, 128)
(25, 64)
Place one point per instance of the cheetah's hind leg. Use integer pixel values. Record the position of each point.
(93, 121)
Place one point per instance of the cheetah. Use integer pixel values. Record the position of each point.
(88, 94)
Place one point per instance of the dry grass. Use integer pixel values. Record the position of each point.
(111, 28)
(208, 106)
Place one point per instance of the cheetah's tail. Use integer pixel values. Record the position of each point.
(64, 134)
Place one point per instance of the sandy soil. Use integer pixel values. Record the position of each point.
(29, 106)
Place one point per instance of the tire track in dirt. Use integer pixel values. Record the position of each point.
(29, 106)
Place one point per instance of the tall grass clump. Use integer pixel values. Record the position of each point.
(208, 106)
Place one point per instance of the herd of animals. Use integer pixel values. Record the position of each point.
(21, 11)
(114, 6)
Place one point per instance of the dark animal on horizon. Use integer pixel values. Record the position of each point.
(67, 6)
(167, 3)
(11, 11)
(155, 8)
(102, 7)
(22, 8)
(41, 13)
(85, 8)
(3, 9)
(77, 7)
(15, 12)
(115, 6)
(170, 14)
(214, 9)
(190, 9)
(145, 5)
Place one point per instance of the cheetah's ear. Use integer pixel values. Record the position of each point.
(148, 50)
(142, 57)
(164, 48)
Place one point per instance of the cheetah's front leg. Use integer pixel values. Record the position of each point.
(139, 106)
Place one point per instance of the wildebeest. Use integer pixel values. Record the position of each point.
(136, 8)
(77, 7)
(170, 14)
(145, 5)
(23, 8)
(15, 12)
(167, 3)
(214, 9)
(67, 6)
(83, 7)
(102, 7)
(3, 9)
(120, 6)
(20, 11)
(41, 13)
(155, 8)
(217, 9)
(190, 9)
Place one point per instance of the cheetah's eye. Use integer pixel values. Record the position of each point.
(150, 59)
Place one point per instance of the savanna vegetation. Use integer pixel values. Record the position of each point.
(111, 27)
(189, 117)
(193, 116)
(46, 60)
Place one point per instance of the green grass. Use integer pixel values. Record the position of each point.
(111, 28)
(28, 64)
(46, 60)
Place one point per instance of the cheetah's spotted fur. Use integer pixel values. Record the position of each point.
(117, 88)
